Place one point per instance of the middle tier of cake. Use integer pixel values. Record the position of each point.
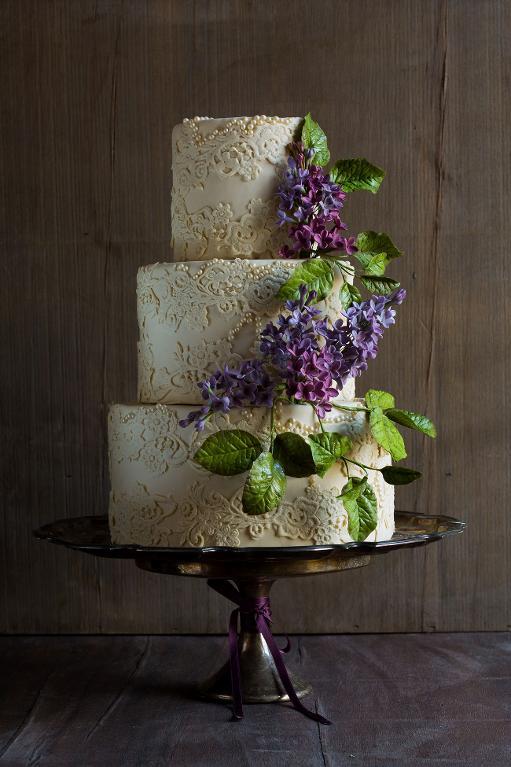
(161, 497)
(198, 316)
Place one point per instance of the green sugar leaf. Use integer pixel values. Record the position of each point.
(381, 286)
(413, 421)
(363, 258)
(228, 452)
(348, 294)
(353, 488)
(361, 507)
(399, 475)
(357, 173)
(375, 251)
(327, 448)
(264, 487)
(313, 137)
(376, 265)
(377, 398)
(317, 274)
(294, 455)
(386, 434)
(373, 243)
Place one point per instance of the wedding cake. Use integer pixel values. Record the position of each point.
(209, 311)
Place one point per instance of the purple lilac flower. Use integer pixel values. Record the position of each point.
(286, 252)
(309, 379)
(310, 204)
(198, 416)
(352, 344)
(349, 245)
(294, 333)
(249, 385)
(368, 319)
(294, 346)
(314, 356)
(306, 352)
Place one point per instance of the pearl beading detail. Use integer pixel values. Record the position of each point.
(245, 125)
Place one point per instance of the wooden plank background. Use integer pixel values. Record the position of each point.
(89, 94)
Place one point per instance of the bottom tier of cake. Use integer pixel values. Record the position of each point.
(160, 497)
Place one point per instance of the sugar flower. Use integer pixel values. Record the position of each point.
(306, 357)
(250, 385)
(309, 205)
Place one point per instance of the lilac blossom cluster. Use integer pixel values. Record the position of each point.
(315, 358)
(353, 342)
(310, 204)
(305, 356)
(249, 385)
(293, 347)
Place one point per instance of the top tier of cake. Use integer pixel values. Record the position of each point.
(225, 177)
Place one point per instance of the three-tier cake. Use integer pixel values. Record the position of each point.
(206, 309)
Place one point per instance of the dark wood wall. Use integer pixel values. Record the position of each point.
(89, 94)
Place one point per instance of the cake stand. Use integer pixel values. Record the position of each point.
(245, 576)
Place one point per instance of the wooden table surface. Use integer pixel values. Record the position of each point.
(409, 699)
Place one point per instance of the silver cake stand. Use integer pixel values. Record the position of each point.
(246, 575)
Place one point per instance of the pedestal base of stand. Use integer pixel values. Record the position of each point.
(253, 571)
(260, 681)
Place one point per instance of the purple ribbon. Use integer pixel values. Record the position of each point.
(259, 609)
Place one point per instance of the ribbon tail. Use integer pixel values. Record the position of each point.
(265, 630)
(226, 589)
(234, 662)
(284, 650)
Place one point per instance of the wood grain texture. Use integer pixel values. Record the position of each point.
(393, 700)
(89, 93)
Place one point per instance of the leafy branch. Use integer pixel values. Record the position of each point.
(373, 250)
(230, 452)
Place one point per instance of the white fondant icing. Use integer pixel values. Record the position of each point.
(160, 497)
(225, 177)
(195, 317)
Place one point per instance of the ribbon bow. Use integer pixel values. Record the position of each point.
(259, 608)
